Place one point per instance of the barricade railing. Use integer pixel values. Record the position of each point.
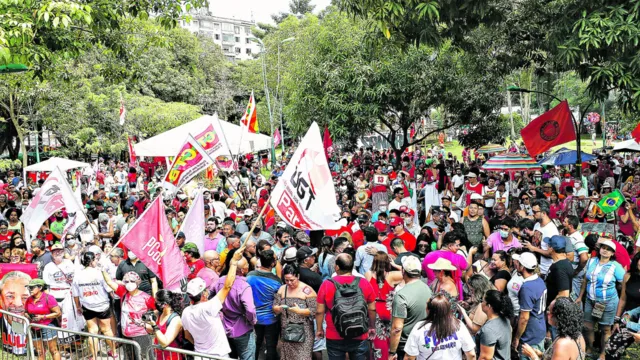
(170, 353)
(83, 345)
(16, 342)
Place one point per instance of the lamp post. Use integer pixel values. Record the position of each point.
(577, 125)
(266, 92)
(279, 97)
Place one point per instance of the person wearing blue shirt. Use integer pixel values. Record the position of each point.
(533, 299)
(602, 273)
(264, 286)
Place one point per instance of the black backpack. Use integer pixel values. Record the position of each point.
(350, 313)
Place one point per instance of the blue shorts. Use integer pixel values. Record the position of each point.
(608, 315)
(44, 334)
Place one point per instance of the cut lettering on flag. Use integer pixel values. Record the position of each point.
(151, 239)
(304, 196)
(249, 120)
(132, 152)
(123, 111)
(327, 142)
(552, 128)
(193, 224)
(636, 133)
(189, 162)
(52, 196)
(276, 138)
(611, 202)
(76, 214)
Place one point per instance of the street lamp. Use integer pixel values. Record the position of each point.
(266, 92)
(577, 125)
(279, 97)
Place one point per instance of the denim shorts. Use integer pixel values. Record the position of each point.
(608, 315)
(44, 334)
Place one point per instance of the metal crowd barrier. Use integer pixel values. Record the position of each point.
(16, 340)
(170, 353)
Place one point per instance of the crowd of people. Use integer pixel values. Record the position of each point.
(435, 259)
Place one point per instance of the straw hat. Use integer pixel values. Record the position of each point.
(362, 197)
(442, 264)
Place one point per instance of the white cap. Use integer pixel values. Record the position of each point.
(411, 264)
(607, 242)
(196, 286)
(472, 174)
(475, 196)
(95, 249)
(281, 224)
(527, 259)
(248, 212)
(290, 254)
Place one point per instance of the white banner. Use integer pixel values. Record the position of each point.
(76, 214)
(54, 194)
(193, 223)
(304, 196)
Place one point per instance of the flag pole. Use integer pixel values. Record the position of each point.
(254, 222)
(224, 136)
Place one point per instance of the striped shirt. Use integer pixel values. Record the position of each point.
(601, 279)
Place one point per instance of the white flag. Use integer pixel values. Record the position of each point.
(123, 111)
(193, 223)
(54, 194)
(77, 216)
(304, 196)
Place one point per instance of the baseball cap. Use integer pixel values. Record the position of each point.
(607, 242)
(196, 286)
(527, 259)
(302, 237)
(396, 221)
(403, 209)
(57, 246)
(381, 227)
(181, 235)
(190, 247)
(556, 242)
(95, 249)
(411, 265)
(282, 225)
(290, 254)
(472, 174)
(363, 218)
(248, 212)
(37, 282)
(305, 252)
(475, 196)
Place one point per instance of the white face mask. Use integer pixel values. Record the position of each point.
(131, 255)
(383, 208)
(408, 221)
(131, 286)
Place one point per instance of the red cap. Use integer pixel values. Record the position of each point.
(411, 212)
(396, 221)
(382, 228)
(404, 209)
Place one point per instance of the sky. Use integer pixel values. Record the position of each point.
(262, 9)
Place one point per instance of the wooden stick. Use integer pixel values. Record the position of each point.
(255, 221)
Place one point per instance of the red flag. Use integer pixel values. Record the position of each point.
(326, 141)
(636, 133)
(132, 152)
(552, 128)
(249, 120)
(276, 138)
(412, 131)
(152, 241)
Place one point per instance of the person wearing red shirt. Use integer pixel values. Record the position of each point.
(397, 226)
(5, 233)
(192, 257)
(473, 186)
(357, 347)
(141, 203)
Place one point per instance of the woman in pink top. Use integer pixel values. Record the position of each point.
(43, 308)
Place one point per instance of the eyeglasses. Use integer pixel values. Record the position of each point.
(525, 198)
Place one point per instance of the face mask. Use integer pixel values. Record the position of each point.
(382, 208)
(131, 286)
(408, 221)
(131, 255)
(256, 230)
(504, 234)
(405, 164)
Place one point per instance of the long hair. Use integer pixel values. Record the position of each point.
(569, 318)
(633, 269)
(381, 265)
(325, 248)
(440, 316)
(480, 285)
(500, 303)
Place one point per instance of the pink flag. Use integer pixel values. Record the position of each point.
(152, 241)
(193, 224)
(276, 138)
(132, 152)
(327, 142)
(189, 162)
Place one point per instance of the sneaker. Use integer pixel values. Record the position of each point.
(112, 355)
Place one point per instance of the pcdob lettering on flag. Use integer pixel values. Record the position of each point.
(305, 197)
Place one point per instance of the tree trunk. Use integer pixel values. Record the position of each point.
(19, 131)
(513, 129)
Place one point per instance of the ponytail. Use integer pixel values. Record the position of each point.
(500, 303)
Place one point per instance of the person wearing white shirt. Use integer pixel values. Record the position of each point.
(458, 179)
(398, 199)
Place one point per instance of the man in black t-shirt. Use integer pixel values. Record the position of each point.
(306, 259)
(561, 271)
(148, 284)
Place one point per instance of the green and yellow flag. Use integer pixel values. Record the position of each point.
(611, 202)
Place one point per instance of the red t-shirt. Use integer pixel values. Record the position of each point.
(6, 237)
(358, 239)
(44, 306)
(139, 206)
(325, 297)
(409, 240)
(195, 266)
(622, 256)
(387, 243)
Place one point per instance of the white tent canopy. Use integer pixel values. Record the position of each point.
(169, 142)
(51, 163)
(627, 146)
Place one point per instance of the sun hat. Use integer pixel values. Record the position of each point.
(442, 264)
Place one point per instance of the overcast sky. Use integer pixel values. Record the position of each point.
(262, 9)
